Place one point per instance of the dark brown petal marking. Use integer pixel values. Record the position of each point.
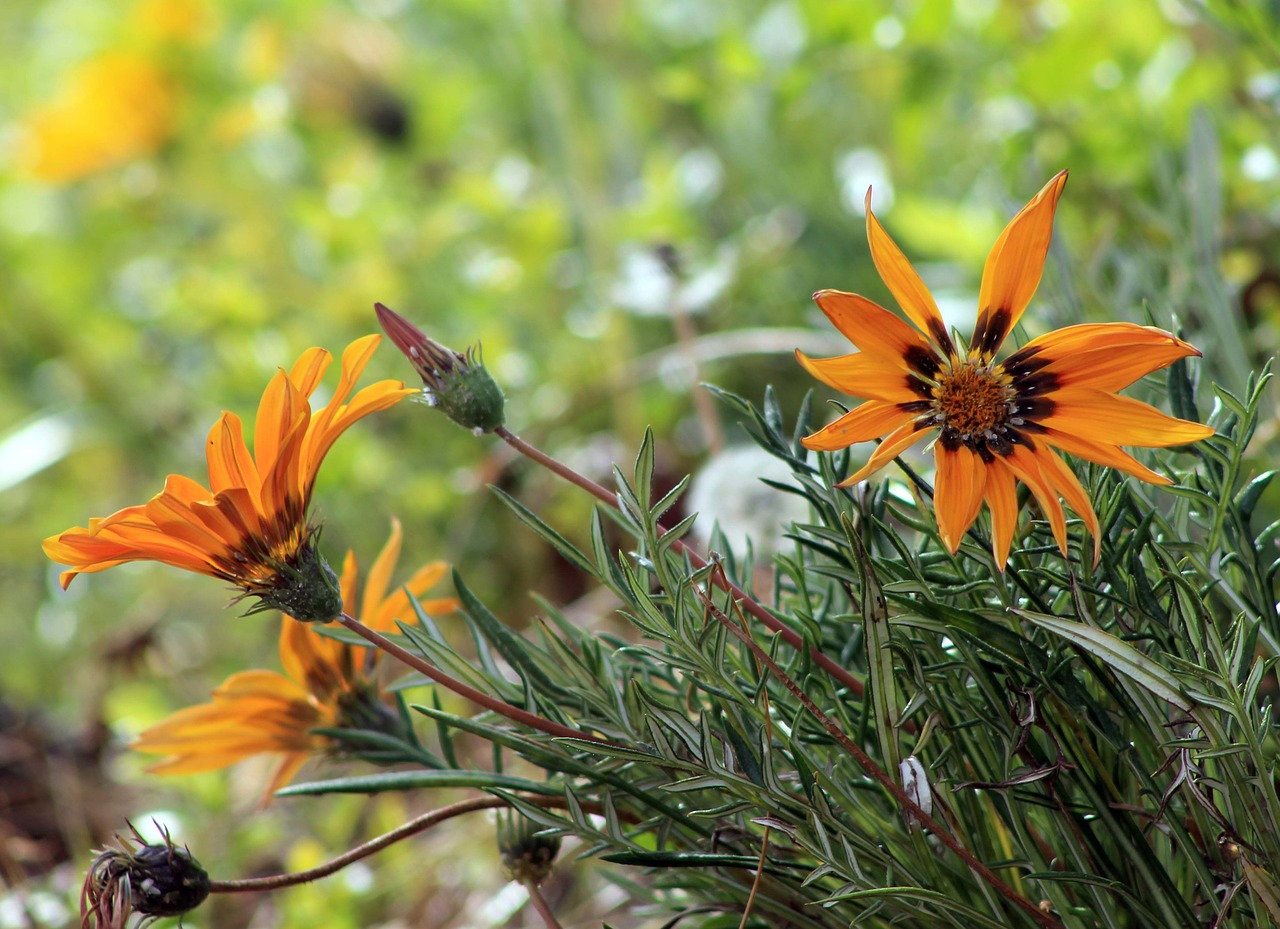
(1024, 363)
(916, 406)
(922, 361)
(993, 326)
(938, 330)
(1000, 445)
(985, 453)
(919, 388)
(949, 439)
(1034, 408)
(1036, 384)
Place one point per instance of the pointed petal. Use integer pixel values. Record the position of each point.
(1025, 466)
(864, 375)
(307, 371)
(1064, 481)
(1014, 266)
(1002, 501)
(905, 284)
(1104, 356)
(375, 585)
(1105, 417)
(957, 492)
(230, 465)
(349, 582)
(1101, 453)
(894, 444)
(868, 421)
(878, 332)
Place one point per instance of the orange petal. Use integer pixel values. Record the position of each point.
(230, 465)
(957, 492)
(396, 605)
(307, 371)
(1104, 356)
(864, 375)
(1026, 467)
(894, 444)
(905, 284)
(875, 330)
(349, 582)
(868, 421)
(1064, 482)
(1014, 266)
(1002, 501)
(375, 585)
(1105, 417)
(1100, 453)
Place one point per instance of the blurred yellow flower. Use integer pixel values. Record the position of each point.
(326, 684)
(113, 108)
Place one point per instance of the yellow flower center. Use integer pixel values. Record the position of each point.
(972, 402)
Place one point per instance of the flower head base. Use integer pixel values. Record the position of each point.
(458, 385)
(140, 877)
(997, 422)
(249, 527)
(326, 685)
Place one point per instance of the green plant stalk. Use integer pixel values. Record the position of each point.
(749, 603)
(881, 777)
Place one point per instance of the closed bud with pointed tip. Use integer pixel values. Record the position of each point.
(457, 384)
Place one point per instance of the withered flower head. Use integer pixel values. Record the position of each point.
(152, 880)
(250, 526)
(458, 385)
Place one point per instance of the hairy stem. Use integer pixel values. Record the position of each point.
(513, 713)
(749, 603)
(412, 827)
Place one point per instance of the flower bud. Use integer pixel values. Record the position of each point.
(305, 588)
(456, 384)
(527, 855)
(152, 880)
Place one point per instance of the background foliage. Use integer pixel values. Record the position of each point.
(193, 192)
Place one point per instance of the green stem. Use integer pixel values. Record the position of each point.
(749, 603)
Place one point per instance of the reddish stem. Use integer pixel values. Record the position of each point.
(749, 603)
(513, 713)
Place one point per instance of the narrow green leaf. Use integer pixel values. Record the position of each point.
(1116, 654)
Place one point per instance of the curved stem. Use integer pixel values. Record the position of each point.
(412, 827)
(513, 713)
(749, 603)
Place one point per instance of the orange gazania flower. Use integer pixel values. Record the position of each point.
(326, 684)
(249, 527)
(996, 422)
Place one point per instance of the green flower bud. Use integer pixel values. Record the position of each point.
(305, 588)
(459, 385)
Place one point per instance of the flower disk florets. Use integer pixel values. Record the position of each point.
(973, 405)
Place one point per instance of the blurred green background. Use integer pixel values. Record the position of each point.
(618, 199)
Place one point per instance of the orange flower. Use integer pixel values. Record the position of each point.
(326, 684)
(251, 527)
(996, 422)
